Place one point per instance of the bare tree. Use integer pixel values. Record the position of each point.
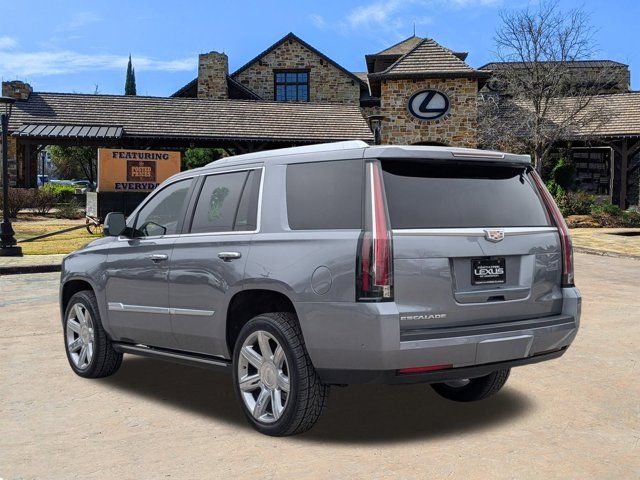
(537, 96)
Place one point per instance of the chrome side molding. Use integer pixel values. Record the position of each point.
(121, 307)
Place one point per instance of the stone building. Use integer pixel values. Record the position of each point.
(293, 70)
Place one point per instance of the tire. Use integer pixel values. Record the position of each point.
(101, 359)
(264, 398)
(475, 388)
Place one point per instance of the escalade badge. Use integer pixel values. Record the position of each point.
(494, 235)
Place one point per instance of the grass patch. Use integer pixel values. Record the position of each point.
(27, 226)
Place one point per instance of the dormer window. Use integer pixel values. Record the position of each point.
(291, 86)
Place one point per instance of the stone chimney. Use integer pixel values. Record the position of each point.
(213, 68)
(16, 89)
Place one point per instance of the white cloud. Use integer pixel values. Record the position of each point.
(22, 64)
(379, 12)
(82, 19)
(391, 15)
(7, 43)
(318, 20)
(480, 3)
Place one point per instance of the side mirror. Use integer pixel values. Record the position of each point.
(114, 224)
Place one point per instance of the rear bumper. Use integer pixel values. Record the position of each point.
(392, 377)
(362, 343)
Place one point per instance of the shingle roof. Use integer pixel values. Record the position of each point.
(573, 64)
(624, 115)
(402, 47)
(620, 112)
(191, 118)
(430, 58)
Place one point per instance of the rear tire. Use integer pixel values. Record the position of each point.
(278, 389)
(89, 350)
(473, 389)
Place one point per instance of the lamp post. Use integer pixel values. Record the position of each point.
(8, 242)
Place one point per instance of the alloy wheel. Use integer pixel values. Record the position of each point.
(263, 376)
(80, 336)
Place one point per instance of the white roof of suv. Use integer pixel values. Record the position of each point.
(378, 151)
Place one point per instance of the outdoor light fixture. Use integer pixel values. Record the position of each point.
(8, 242)
(375, 122)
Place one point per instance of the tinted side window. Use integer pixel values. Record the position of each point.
(218, 202)
(163, 214)
(325, 195)
(247, 217)
(431, 195)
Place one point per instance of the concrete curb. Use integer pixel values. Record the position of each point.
(20, 269)
(603, 253)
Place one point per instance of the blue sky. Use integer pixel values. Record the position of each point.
(72, 46)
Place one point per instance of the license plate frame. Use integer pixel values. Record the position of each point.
(488, 271)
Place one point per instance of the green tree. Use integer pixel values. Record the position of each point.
(130, 82)
(199, 157)
(75, 162)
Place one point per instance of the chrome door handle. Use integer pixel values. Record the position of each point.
(228, 256)
(157, 257)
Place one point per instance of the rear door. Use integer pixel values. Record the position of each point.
(208, 260)
(473, 244)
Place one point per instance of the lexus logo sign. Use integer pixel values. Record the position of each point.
(428, 104)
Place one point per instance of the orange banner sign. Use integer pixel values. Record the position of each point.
(135, 170)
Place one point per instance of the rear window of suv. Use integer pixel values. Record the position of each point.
(435, 195)
(325, 195)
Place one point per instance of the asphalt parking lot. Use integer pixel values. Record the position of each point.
(576, 417)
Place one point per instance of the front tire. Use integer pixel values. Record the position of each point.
(279, 390)
(89, 350)
(473, 389)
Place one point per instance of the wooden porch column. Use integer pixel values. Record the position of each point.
(624, 165)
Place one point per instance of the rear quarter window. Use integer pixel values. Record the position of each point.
(325, 195)
(436, 195)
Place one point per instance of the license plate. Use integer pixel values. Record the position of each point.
(485, 271)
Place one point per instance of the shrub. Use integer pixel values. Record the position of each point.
(19, 199)
(631, 218)
(606, 209)
(563, 174)
(63, 193)
(554, 189)
(575, 203)
(43, 201)
(70, 210)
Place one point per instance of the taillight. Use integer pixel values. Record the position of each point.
(427, 368)
(565, 237)
(374, 278)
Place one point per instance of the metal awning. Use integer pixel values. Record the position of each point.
(68, 131)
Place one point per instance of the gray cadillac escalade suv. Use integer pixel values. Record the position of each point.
(333, 264)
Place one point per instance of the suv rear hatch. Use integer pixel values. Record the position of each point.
(473, 243)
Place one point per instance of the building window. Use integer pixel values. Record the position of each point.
(292, 86)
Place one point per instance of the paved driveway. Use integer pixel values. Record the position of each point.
(576, 417)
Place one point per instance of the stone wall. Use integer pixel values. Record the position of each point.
(213, 68)
(16, 89)
(20, 91)
(326, 82)
(13, 170)
(458, 128)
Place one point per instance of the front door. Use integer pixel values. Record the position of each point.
(207, 265)
(137, 269)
